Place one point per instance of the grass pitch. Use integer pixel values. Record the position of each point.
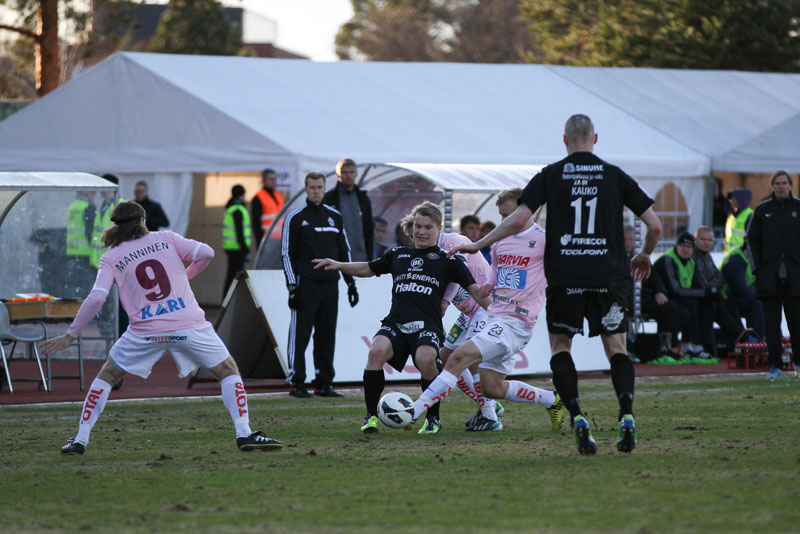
(715, 454)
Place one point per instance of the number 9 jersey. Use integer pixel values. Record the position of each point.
(153, 281)
(585, 197)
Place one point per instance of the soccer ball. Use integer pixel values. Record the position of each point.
(396, 409)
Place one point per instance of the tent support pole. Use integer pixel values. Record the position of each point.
(10, 205)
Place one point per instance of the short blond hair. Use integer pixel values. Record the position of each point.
(512, 193)
(426, 209)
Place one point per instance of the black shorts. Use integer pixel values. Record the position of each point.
(603, 307)
(405, 344)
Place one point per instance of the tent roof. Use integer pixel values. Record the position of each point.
(464, 178)
(711, 111)
(139, 112)
(53, 181)
(779, 146)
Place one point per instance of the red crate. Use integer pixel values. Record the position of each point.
(754, 356)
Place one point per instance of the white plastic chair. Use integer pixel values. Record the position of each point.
(6, 337)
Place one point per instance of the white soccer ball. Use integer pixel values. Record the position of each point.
(396, 409)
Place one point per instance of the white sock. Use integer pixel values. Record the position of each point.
(92, 408)
(488, 410)
(466, 384)
(441, 386)
(234, 398)
(522, 392)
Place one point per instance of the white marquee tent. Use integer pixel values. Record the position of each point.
(167, 116)
(163, 117)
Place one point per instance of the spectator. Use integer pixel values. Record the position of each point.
(683, 284)
(671, 319)
(774, 237)
(80, 226)
(236, 235)
(471, 227)
(155, 217)
(486, 227)
(726, 314)
(739, 219)
(380, 236)
(739, 288)
(314, 230)
(721, 208)
(356, 210)
(265, 205)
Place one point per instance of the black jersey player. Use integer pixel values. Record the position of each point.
(413, 327)
(586, 265)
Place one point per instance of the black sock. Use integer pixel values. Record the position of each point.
(623, 377)
(433, 411)
(565, 379)
(373, 387)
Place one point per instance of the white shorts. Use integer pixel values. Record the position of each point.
(466, 327)
(190, 348)
(500, 341)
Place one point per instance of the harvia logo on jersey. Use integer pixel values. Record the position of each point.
(511, 278)
(412, 287)
(168, 306)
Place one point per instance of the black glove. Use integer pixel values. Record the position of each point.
(294, 298)
(352, 295)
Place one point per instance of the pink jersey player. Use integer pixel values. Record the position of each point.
(477, 265)
(518, 274)
(153, 283)
(148, 268)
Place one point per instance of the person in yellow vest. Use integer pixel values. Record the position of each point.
(265, 205)
(236, 235)
(739, 219)
(683, 282)
(80, 224)
(739, 288)
(102, 220)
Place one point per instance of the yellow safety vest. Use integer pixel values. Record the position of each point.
(229, 241)
(77, 244)
(102, 221)
(735, 230)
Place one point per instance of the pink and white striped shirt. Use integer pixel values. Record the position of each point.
(518, 274)
(153, 283)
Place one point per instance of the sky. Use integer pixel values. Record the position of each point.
(307, 27)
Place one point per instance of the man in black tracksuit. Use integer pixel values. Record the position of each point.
(314, 231)
(774, 236)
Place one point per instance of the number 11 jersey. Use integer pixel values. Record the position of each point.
(153, 285)
(585, 197)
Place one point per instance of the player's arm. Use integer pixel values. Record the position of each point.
(480, 295)
(640, 264)
(352, 268)
(513, 224)
(199, 254)
(291, 234)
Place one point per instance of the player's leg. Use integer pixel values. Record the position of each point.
(381, 351)
(201, 347)
(466, 355)
(93, 406)
(234, 398)
(464, 328)
(425, 360)
(623, 377)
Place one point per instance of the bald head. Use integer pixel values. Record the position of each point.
(579, 134)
